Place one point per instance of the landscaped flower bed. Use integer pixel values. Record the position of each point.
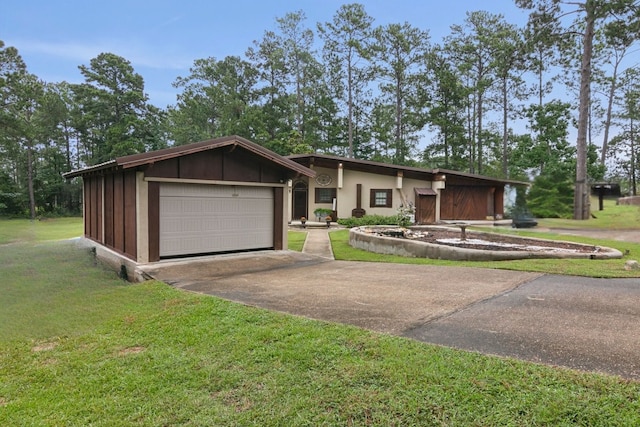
(450, 243)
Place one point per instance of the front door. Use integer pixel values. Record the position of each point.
(300, 200)
(426, 209)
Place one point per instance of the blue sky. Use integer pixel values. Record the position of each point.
(162, 38)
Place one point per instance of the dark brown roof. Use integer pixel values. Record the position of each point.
(330, 161)
(135, 160)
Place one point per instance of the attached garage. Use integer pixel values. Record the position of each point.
(217, 196)
(198, 218)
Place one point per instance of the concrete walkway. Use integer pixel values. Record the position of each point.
(318, 243)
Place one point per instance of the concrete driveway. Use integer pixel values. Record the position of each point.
(587, 324)
(389, 298)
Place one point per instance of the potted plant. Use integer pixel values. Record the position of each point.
(328, 219)
(303, 221)
(322, 213)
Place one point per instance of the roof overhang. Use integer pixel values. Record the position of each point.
(426, 192)
(329, 161)
(136, 160)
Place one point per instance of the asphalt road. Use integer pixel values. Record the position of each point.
(581, 323)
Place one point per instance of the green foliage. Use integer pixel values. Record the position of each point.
(370, 92)
(322, 212)
(368, 220)
(551, 196)
(23, 230)
(573, 267)
(114, 105)
(296, 240)
(99, 351)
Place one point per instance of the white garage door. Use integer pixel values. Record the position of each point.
(196, 219)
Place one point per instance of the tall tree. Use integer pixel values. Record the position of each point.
(113, 106)
(346, 51)
(400, 54)
(509, 69)
(268, 58)
(614, 16)
(448, 102)
(473, 47)
(297, 43)
(29, 91)
(217, 99)
(611, 49)
(625, 148)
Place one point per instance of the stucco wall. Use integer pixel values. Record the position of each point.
(346, 196)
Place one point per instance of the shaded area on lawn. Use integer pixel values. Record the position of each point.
(158, 356)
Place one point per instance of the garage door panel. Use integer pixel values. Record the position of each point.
(207, 218)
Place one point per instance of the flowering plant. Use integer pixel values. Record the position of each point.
(405, 214)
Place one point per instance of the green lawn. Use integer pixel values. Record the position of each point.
(296, 240)
(575, 267)
(612, 217)
(14, 230)
(80, 347)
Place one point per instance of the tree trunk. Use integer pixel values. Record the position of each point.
(607, 123)
(400, 153)
(32, 198)
(581, 195)
(350, 107)
(633, 159)
(505, 136)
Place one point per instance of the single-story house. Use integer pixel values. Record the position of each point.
(232, 195)
(221, 195)
(351, 187)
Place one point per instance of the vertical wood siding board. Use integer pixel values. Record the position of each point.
(108, 211)
(278, 230)
(129, 217)
(118, 209)
(86, 205)
(154, 221)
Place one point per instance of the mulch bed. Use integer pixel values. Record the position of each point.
(500, 240)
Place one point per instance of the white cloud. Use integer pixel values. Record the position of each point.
(81, 53)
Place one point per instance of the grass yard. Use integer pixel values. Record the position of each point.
(612, 217)
(21, 230)
(81, 347)
(575, 267)
(78, 346)
(296, 240)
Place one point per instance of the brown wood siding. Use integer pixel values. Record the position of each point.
(86, 201)
(154, 221)
(219, 165)
(165, 169)
(278, 199)
(93, 208)
(499, 201)
(464, 203)
(206, 165)
(108, 211)
(118, 213)
(426, 209)
(129, 217)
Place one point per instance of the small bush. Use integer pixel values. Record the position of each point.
(368, 220)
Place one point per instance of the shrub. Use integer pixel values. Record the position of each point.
(368, 220)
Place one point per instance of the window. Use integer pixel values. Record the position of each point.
(325, 195)
(380, 198)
